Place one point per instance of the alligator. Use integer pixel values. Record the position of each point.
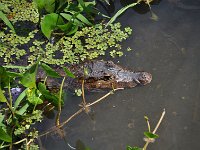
(99, 74)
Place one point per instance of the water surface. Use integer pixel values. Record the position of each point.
(168, 48)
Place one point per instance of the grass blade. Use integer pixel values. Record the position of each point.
(23, 109)
(19, 99)
(6, 21)
(122, 10)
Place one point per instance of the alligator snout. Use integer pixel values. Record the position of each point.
(144, 78)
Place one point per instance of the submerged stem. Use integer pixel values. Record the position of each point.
(59, 103)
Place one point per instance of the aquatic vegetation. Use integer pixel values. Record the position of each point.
(21, 11)
(88, 43)
(21, 112)
(67, 16)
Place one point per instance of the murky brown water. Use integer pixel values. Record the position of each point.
(168, 48)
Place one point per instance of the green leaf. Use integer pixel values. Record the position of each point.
(5, 136)
(33, 96)
(22, 110)
(49, 71)
(16, 67)
(83, 19)
(73, 30)
(1, 117)
(151, 135)
(47, 95)
(1, 120)
(50, 6)
(19, 99)
(6, 21)
(40, 4)
(80, 145)
(2, 97)
(62, 4)
(66, 16)
(29, 77)
(122, 10)
(68, 73)
(66, 27)
(133, 148)
(81, 2)
(14, 74)
(71, 18)
(4, 78)
(49, 23)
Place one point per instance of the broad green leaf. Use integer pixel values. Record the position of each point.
(68, 73)
(6, 21)
(22, 110)
(49, 71)
(19, 99)
(151, 135)
(81, 2)
(133, 148)
(4, 78)
(29, 77)
(40, 4)
(62, 4)
(47, 95)
(122, 10)
(2, 97)
(50, 6)
(48, 24)
(5, 136)
(33, 96)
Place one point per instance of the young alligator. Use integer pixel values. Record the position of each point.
(101, 74)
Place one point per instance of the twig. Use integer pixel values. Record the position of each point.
(148, 124)
(154, 131)
(111, 92)
(158, 124)
(18, 142)
(77, 113)
(83, 93)
(52, 129)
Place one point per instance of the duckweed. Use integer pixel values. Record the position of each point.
(87, 43)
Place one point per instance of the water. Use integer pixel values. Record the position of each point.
(168, 48)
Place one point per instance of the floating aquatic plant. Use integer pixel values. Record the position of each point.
(88, 43)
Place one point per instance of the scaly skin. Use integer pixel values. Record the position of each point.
(101, 74)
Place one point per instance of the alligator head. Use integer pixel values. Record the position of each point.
(106, 74)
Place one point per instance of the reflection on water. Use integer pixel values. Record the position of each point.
(170, 50)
